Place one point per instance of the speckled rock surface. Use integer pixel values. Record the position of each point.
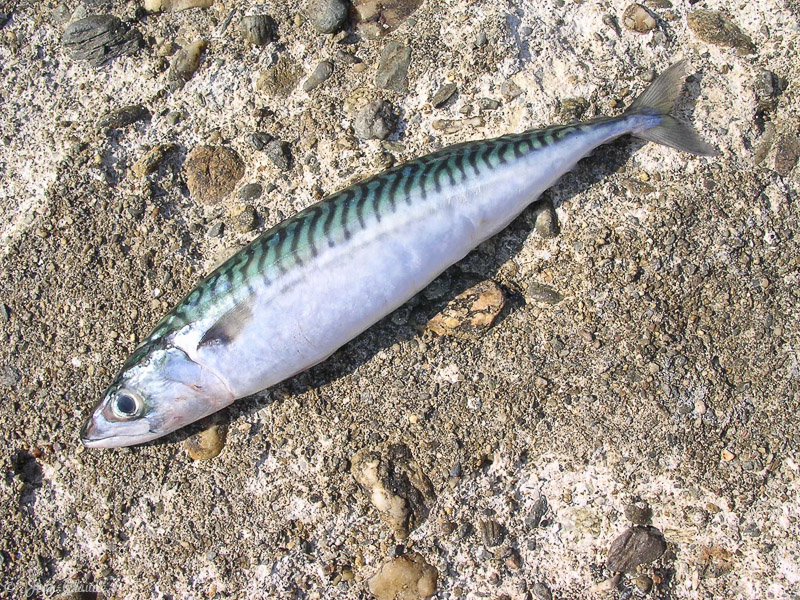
(647, 352)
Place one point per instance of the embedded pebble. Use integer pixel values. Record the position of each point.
(250, 192)
(392, 70)
(175, 5)
(99, 39)
(454, 125)
(323, 71)
(492, 533)
(635, 546)
(539, 292)
(259, 139)
(610, 20)
(217, 229)
(280, 154)
(471, 313)
(534, 518)
(546, 219)
(488, 104)
(787, 153)
(379, 17)
(207, 444)
(717, 28)
(443, 94)
(572, 109)
(638, 513)
(246, 219)
(186, 61)
(540, 591)
(376, 120)
(212, 173)
(407, 577)
(396, 486)
(280, 79)
(122, 117)
(150, 162)
(510, 90)
(643, 583)
(259, 30)
(327, 16)
(637, 18)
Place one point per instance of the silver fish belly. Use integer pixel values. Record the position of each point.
(315, 281)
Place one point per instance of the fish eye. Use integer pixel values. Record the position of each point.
(125, 404)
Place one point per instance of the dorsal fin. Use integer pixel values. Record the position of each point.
(229, 325)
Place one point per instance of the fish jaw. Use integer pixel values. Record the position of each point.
(95, 434)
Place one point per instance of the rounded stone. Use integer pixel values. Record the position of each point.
(376, 120)
(212, 173)
(327, 16)
(259, 30)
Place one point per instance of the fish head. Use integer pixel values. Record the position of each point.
(158, 391)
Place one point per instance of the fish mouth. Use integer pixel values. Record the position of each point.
(93, 437)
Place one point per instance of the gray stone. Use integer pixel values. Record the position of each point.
(787, 153)
(100, 38)
(280, 154)
(643, 583)
(259, 30)
(392, 71)
(443, 94)
(327, 16)
(376, 120)
(537, 513)
(540, 591)
(539, 292)
(510, 90)
(250, 192)
(638, 513)
(492, 533)
(323, 71)
(546, 220)
(259, 139)
(216, 230)
(488, 104)
(186, 61)
(717, 28)
(122, 117)
(635, 546)
(247, 219)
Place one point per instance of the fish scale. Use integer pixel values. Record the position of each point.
(316, 280)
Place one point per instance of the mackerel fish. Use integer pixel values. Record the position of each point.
(316, 280)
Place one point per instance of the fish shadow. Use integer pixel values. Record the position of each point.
(408, 321)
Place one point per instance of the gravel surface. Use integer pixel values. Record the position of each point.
(633, 406)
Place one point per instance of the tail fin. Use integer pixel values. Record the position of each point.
(658, 99)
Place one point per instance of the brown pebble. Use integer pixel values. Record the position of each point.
(407, 577)
(207, 444)
(470, 313)
(212, 172)
(637, 18)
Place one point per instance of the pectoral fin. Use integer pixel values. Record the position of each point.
(228, 326)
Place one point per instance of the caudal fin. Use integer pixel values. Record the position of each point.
(658, 99)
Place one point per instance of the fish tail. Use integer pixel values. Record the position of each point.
(657, 101)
